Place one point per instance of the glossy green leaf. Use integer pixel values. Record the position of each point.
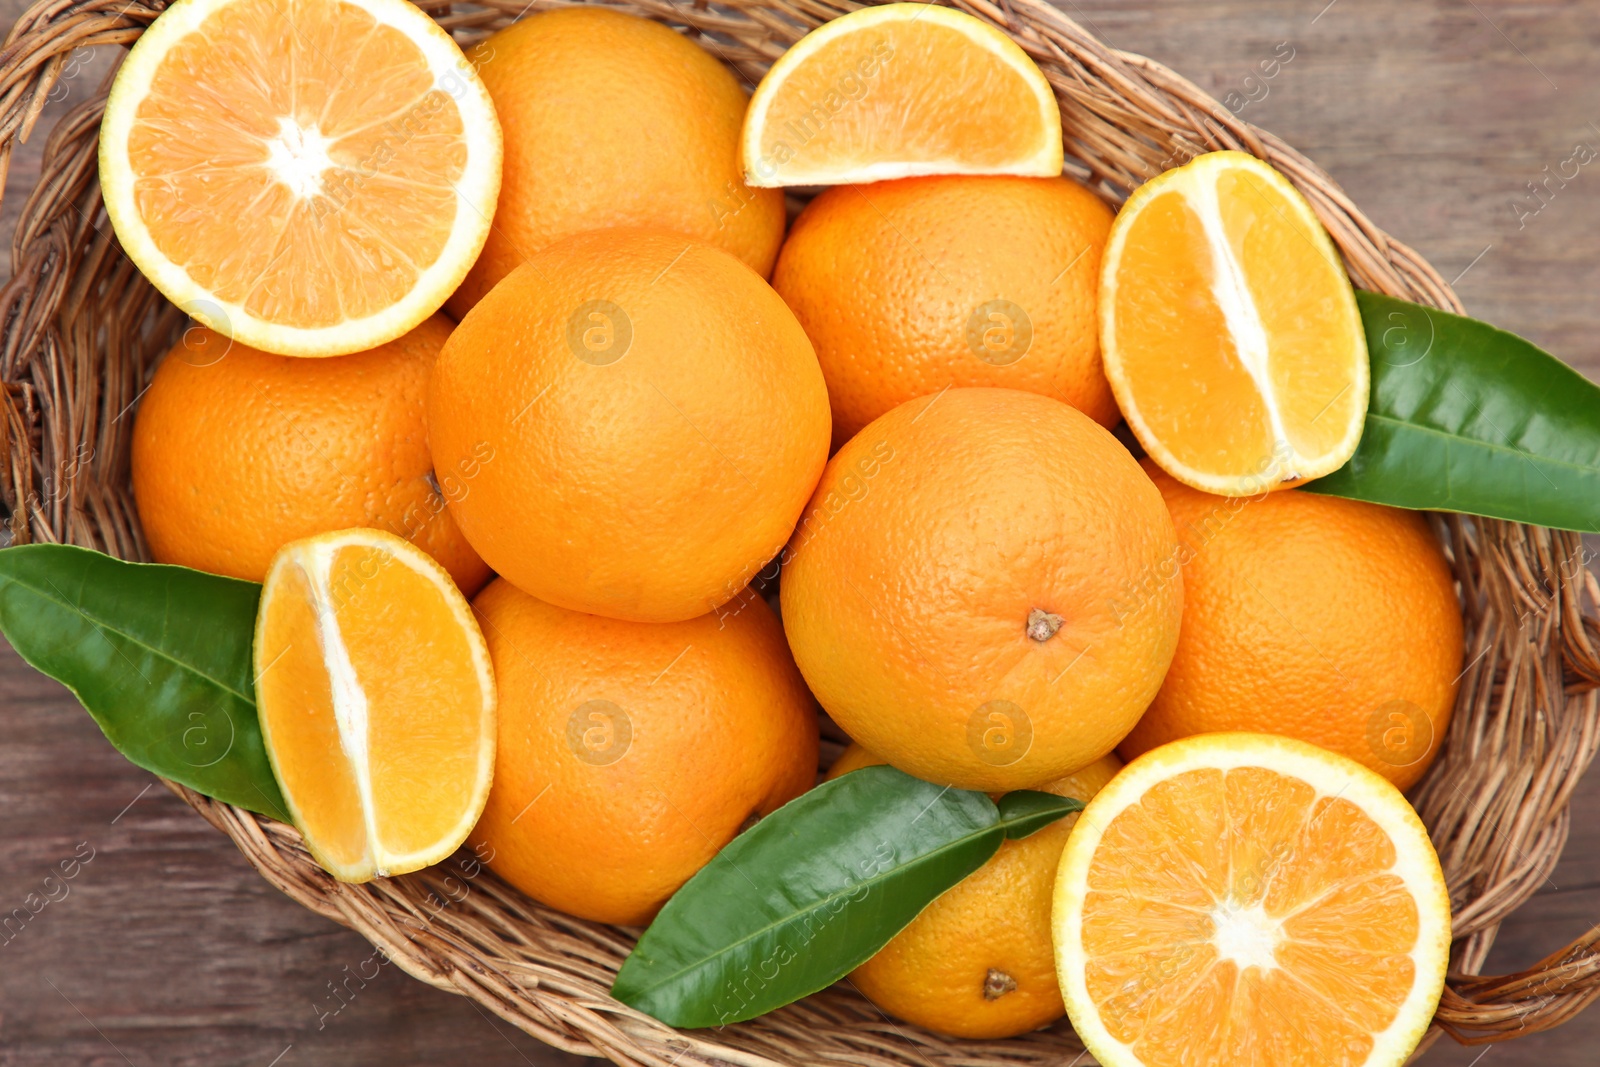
(1028, 811)
(160, 656)
(805, 896)
(1466, 417)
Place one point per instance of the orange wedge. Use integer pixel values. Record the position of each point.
(377, 702)
(1246, 899)
(310, 177)
(1229, 330)
(898, 90)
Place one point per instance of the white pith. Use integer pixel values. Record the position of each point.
(298, 156)
(1246, 937)
(1416, 866)
(1239, 310)
(1196, 182)
(476, 192)
(349, 700)
(1046, 162)
(313, 558)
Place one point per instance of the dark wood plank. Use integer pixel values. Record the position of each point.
(166, 947)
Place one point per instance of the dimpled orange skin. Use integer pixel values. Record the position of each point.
(650, 485)
(888, 280)
(614, 120)
(1331, 621)
(603, 810)
(991, 929)
(238, 452)
(932, 538)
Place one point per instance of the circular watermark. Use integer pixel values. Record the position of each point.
(1399, 732)
(208, 337)
(999, 332)
(1406, 340)
(999, 733)
(599, 732)
(208, 738)
(599, 332)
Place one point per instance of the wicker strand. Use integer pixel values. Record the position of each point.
(82, 330)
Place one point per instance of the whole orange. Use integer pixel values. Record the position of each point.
(979, 962)
(630, 753)
(656, 420)
(952, 591)
(907, 287)
(237, 452)
(614, 120)
(1328, 620)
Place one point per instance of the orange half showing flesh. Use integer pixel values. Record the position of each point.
(377, 702)
(898, 90)
(1252, 900)
(310, 177)
(1229, 329)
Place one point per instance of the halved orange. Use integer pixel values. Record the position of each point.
(1247, 899)
(310, 177)
(377, 702)
(899, 90)
(1229, 329)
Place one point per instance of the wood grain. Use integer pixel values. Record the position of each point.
(165, 947)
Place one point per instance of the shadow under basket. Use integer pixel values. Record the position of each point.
(82, 330)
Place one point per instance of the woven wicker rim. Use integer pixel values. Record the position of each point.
(82, 330)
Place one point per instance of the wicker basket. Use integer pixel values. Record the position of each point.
(82, 329)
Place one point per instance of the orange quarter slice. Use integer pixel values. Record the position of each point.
(1229, 329)
(897, 90)
(377, 702)
(310, 177)
(1252, 900)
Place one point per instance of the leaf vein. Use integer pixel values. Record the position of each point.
(1533, 457)
(794, 917)
(104, 626)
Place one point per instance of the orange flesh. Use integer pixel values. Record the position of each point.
(423, 722)
(1296, 291)
(1180, 353)
(412, 667)
(1180, 360)
(262, 82)
(295, 692)
(848, 103)
(1174, 870)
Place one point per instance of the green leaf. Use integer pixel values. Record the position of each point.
(1466, 417)
(160, 656)
(805, 896)
(1027, 811)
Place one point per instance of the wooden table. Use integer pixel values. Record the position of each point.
(167, 948)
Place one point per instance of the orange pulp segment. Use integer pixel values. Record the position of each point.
(1252, 900)
(1230, 332)
(899, 90)
(377, 702)
(310, 177)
